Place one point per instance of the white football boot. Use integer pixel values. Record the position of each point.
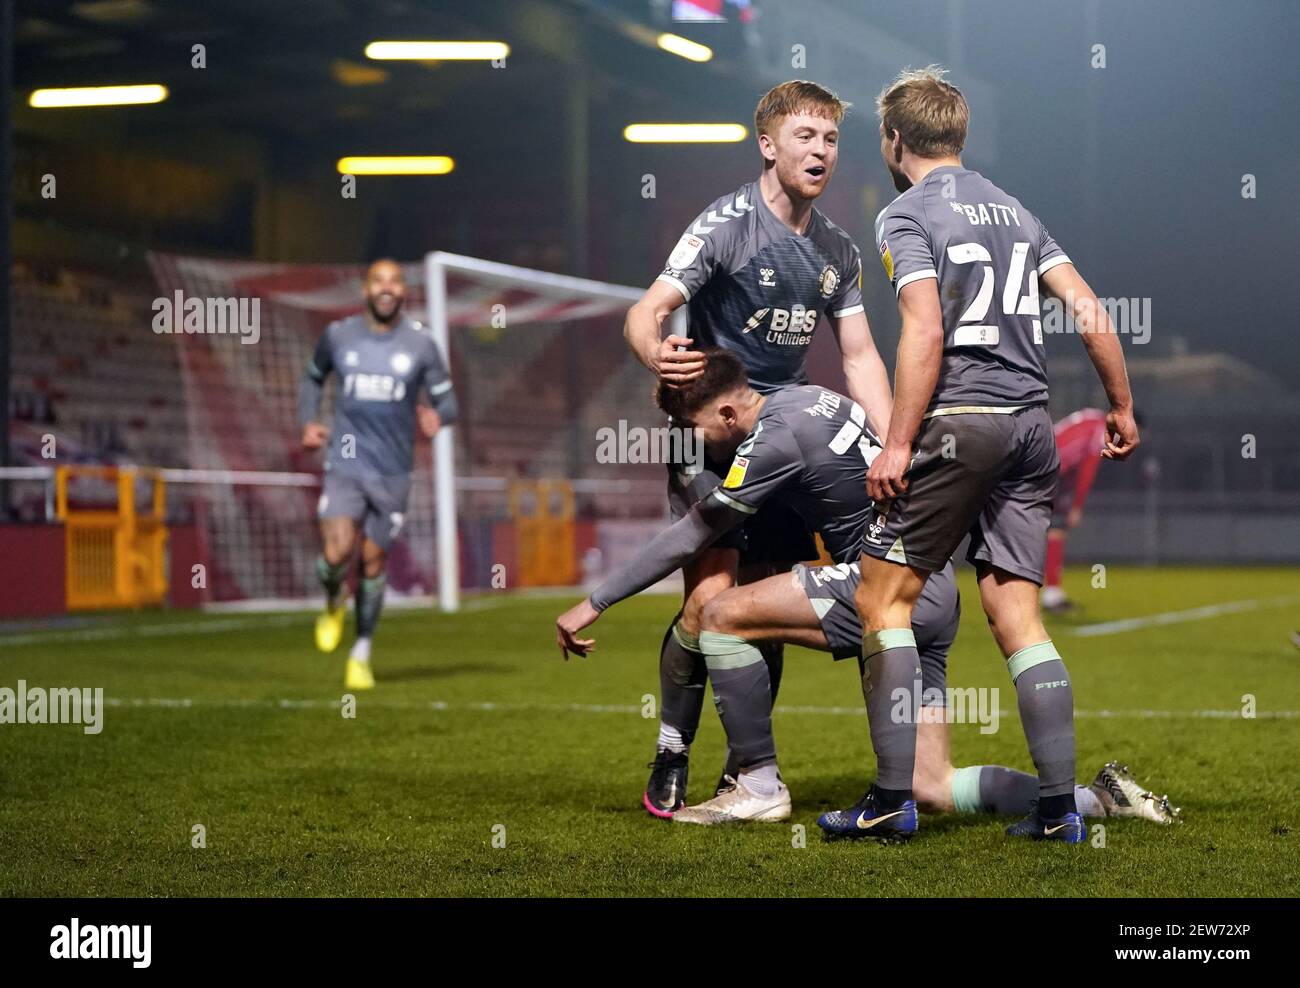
(1121, 795)
(737, 805)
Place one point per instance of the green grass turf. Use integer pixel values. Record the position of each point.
(403, 799)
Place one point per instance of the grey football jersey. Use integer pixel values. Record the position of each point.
(811, 447)
(758, 289)
(380, 378)
(986, 250)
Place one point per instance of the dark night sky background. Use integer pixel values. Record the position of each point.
(1194, 95)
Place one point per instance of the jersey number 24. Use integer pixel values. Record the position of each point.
(971, 329)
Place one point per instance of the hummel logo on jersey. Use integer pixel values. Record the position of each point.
(865, 824)
(765, 278)
(875, 528)
(350, 358)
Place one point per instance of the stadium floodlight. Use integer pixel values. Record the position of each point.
(440, 51)
(428, 164)
(684, 47)
(677, 133)
(47, 99)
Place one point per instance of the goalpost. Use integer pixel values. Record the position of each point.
(522, 494)
(577, 297)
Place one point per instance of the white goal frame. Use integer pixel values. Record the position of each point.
(436, 266)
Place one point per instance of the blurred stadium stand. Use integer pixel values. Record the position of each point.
(239, 166)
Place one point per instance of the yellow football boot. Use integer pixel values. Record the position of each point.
(329, 626)
(358, 676)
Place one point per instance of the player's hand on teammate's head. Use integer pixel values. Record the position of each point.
(1121, 435)
(887, 475)
(676, 366)
(567, 626)
(315, 435)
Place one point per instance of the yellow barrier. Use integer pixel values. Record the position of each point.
(543, 513)
(116, 557)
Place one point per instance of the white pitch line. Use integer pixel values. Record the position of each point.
(148, 630)
(1178, 617)
(401, 607)
(190, 703)
(167, 629)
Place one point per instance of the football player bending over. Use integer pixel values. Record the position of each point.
(807, 446)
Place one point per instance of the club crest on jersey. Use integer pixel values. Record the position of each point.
(401, 363)
(765, 277)
(829, 281)
(686, 251)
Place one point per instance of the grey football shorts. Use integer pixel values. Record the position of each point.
(989, 474)
(376, 503)
(830, 590)
(1064, 500)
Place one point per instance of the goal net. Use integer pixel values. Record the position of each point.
(519, 493)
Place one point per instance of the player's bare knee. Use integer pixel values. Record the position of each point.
(697, 600)
(869, 609)
(336, 551)
(723, 614)
(373, 560)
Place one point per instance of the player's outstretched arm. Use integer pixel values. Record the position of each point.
(668, 551)
(920, 349)
(864, 371)
(1104, 350)
(643, 329)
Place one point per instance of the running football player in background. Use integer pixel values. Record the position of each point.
(758, 268)
(386, 365)
(1080, 439)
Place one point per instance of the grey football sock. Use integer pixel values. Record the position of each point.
(1046, 703)
(370, 601)
(742, 691)
(774, 655)
(997, 789)
(891, 686)
(682, 674)
(331, 577)
(993, 789)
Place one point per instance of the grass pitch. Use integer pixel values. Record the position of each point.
(477, 731)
